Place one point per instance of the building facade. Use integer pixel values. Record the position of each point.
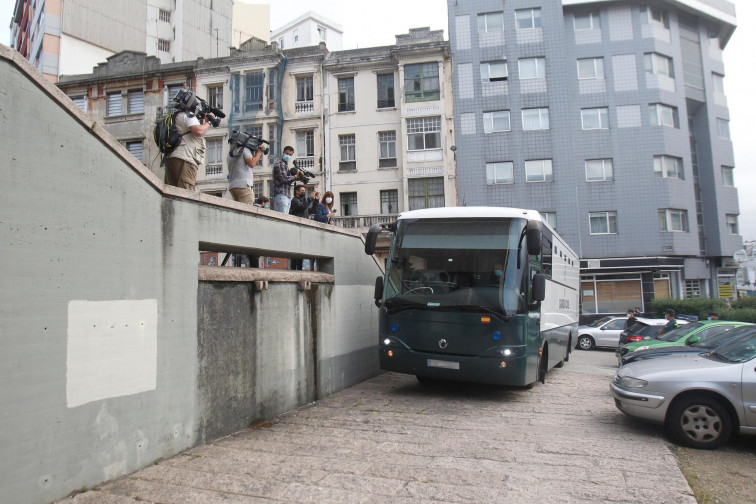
(610, 118)
(308, 30)
(72, 36)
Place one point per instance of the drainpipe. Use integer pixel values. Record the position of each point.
(325, 113)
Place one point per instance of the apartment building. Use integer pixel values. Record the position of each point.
(610, 118)
(309, 29)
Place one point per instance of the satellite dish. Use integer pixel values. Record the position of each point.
(740, 256)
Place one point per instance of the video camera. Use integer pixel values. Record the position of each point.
(239, 140)
(193, 105)
(304, 175)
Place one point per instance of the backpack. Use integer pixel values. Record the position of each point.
(166, 135)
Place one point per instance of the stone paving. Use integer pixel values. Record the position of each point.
(392, 440)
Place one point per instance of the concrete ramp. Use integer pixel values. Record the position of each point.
(117, 349)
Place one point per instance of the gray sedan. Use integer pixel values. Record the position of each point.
(701, 398)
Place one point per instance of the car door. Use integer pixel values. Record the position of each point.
(610, 333)
(749, 392)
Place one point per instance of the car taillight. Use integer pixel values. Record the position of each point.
(634, 338)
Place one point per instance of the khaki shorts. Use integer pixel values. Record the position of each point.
(243, 194)
(181, 173)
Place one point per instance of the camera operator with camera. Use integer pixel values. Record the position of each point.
(240, 164)
(282, 181)
(192, 122)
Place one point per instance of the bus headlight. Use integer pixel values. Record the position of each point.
(387, 342)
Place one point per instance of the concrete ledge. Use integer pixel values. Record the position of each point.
(228, 274)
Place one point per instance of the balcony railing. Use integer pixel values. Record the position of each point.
(304, 107)
(306, 163)
(364, 221)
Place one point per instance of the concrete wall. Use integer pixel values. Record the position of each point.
(117, 350)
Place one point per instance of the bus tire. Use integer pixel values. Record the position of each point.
(569, 349)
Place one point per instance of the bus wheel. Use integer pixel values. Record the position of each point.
(569, 350)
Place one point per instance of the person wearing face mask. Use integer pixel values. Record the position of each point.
(282, 181)
(325, 210)
(495, 277)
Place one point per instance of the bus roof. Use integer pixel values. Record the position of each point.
(471, 211)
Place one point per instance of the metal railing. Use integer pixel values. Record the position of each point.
(364, 221)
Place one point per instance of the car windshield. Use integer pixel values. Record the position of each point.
(458, 265)
(741, 350)
(599, 322)
(645, 330)
(725, 337)
(679, 332)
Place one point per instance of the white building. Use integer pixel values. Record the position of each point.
(308, 30)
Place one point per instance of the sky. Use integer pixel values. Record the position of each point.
(369, 24)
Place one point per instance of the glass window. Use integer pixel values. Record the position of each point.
(80, 101)
(135, 148)
(603, 222)
(718, 81)
(215, 96)
(723, 128)
(114, 104)
(658, 16)
(674, 220)
(273, 78)
(587, 20)
(257, 188)
(165, 15)
(728, 177)
(421, 82)
(595, 118)
(304, 88)
(598, 170)
(535, 119)
(590, 68)
(346, 94)
(668, 167)
(496, 121)
(424, 133)
(692, 288)
(386, 91)
(236, 91)
(663, 115)
(491, 22)
(348, 203)
(426, 193)
(214, 159)
(532, 68)
(500, 173)
(253, 97)
(493, 71)
(389, 202)
(551, 218)
(347, 160)
(274, 145)
(528, 18)
(659, 64)
(732, 224)
(136, 102)
(539, 170)
(387, 145)
(305, 143)
(164, 45)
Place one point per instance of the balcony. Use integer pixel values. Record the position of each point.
(306, 163)
(304, 107)
(363, 222)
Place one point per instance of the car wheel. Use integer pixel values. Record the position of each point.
(585, 342)
(699, 422)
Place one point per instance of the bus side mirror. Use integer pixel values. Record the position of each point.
(372, 236)
(378, 294)
(539, 287)
(534, 235)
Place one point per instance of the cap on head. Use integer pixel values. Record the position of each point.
(669, 311)
(631, 311)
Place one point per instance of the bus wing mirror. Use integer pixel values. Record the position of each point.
(378, 294)
(539, 287)
(534, 235)
(372, 236)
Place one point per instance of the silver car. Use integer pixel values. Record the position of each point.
(701, 398)
(605, 332)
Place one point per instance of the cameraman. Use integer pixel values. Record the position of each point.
(240, 166)
(282, 181)
(300, 203)
(182, 164)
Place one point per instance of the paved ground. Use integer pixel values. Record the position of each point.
(391, 440)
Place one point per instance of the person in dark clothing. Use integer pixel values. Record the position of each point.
(300, 203)
(671, 324)
(631, 320)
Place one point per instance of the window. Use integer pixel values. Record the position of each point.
(663, 115)
(424, 133)
(590, 68)
(305, 144)
(587, 20)
(723, 128)
(718, 81)
(551, 218)
(136, 102)
(215, 96)
(257, 188)
(425, 193)
(598, 170)
(386, 91)
(491, 22)
(387, 143)
(214, 159)
(603, 222)
(348, 203)
(497, 121)
(80, 101)
(728, 178)
(273, 78)
(500, 173)
(296, 35)
(658, 16)
(539, 170)
(389, 202)
(493, 71)
(692, 288)
(673, 220)
(346, 94)
(304, 89)
(659, 64)
(535, 119)
(165, 16)
(347, 161)
(528, 18)
(668, 167)
(164, 45)
(235, 91)
(281, 43)
(532, 68)
(322, 34)
(421, 82)
(732, 224)
(135, 148)
(253, 96)
(274, 145)
(114, 104)
(595, 118)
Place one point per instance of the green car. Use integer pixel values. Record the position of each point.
(687, 334)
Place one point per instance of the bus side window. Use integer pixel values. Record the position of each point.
(546, 256)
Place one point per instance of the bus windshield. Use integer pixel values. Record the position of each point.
(460, 265)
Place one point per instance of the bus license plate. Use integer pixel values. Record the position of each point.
(443, 364)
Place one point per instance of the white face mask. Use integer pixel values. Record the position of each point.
(329, 200)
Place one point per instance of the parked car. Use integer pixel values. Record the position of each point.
(700, 398)
(643, 329)
(680, 336)
(605, 332)
(694, 344)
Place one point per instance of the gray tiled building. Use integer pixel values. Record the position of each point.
(609, 117)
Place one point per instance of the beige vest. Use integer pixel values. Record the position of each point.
(191, 148)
